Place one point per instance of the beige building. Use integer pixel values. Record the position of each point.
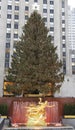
(14, 14)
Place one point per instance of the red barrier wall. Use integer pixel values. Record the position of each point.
(61, 102)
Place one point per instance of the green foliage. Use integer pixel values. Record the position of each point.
(35, 62)
(3, 109)
(69, 109)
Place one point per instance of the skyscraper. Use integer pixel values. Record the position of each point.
(71, 38)
(15, 13)
(68, 87)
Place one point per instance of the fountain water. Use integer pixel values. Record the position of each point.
(19, 112)
(52, 112)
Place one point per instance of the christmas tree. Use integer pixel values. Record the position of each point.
(35, 66)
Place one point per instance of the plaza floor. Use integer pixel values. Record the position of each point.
(6, 124)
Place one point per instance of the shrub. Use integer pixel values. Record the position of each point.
(69, 109)
(3, 109)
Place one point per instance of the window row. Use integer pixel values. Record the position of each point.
(9, 16)
(44, 1)
(25, 0)
(51, 19)
(8, 45)
(27, 9)
(17, 7)
(10, 7)
(8, 35)
(15, 25)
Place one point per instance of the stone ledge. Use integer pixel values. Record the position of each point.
(41, 128)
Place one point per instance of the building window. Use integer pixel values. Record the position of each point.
(51, 28)
(52, 38)
(51, 2)
(8, 35)
(64, 61)
(7, 60)
(16, 16)
(64, 69)
(63, 21)
(26, 8)
(14, 45)
(51, 19)
(63, 29)
(44, 10)
(15, 35)
(8, 25)
(16, 7)
(35, 0)
(63, 13)
(16, 0)
(27, 0)
(6, 64)
(63, 37)
(7, 55)
(44, 1)
(73, 69)
(0, 7)
(73, 59)
(63, 45)
(9, 16)
(63, 4)
(10, 7)
(64, 53)
(15, 25)
(51, 11)
(7, 45)
(26, 17)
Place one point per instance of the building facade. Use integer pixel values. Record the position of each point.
(15, 13)
(71, 38)
(68, 87)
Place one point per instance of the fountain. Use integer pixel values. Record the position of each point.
(36, 116)
(33, 114)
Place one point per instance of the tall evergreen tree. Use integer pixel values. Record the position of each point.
(35, 64)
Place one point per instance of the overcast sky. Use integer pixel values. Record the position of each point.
(71, 2)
